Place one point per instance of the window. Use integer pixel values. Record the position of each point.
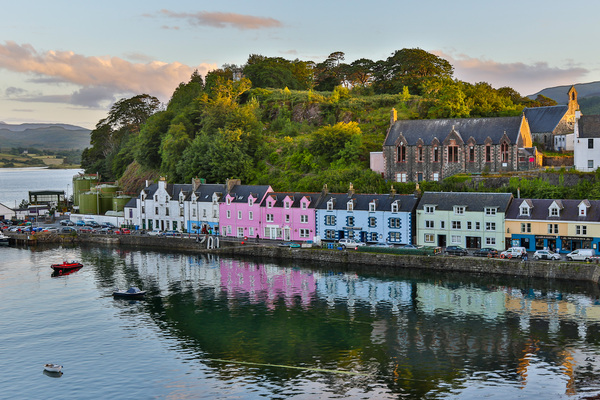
(590, 143)
(452, 154)
(490, 241)
(270, 218)
(287, 217)
(228, 213)
(395, 236)
(436, 156)
(239, 215)
(459, 210)
(329, 234)
(524, 210)
(203, 212)
(250, 201)
(429, 238)
(420, 154)
(350, 205)
(504, 151)
(193, 213)
(591, 164)
(304, 206)
(269, 204)
(350, 221)
(372, 222)
(429, 209)
(581, 229)
(455, 239)
(442, 224)
(429, 224)
(250, 215)
(371, 207)
(436, 176)
(488, 153)
(402, 153)
(552, 228)
(286, 205)
(395, 207)
(181, 212)
(525, 227)
(156, 210)
(167, 211)
(456, 225)
(228, 201)
(490, 211)
(304, 233)
(554, 212)
(401, 177)
(240, 232)
(330, 205)
(395, 223)
(143, 209)
(304, 219)
(251, 231)
(490, 226)
(330, 220)
(372, 237)
(471, 154)
(469, 225)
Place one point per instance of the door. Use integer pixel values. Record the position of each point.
(286, 234)
(441, 240)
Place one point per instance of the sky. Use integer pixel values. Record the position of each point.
(68, 62)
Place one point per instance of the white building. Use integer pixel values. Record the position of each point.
(586, 144)
(6, 212)
(161, 206)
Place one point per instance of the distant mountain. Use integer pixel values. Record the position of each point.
(588, 96)
(44, 136)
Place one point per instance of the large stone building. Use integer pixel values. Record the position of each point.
(416, 150)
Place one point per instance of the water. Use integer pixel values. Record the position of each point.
(15, 183)
(218, 328)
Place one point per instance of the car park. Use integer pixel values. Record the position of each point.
(456, 251)
(80, 223)
(486, 252)
(546, 255)
(351, 243)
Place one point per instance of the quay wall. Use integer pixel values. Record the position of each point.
(563, 270)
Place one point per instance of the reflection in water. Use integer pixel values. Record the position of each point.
(285, 326)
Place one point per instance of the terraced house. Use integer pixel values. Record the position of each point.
(160, 206)
(369, 218)
(239, 212)
(289, 216)
(470, 220)
(561, 225)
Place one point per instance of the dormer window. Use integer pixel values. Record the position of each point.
(395, 206)
(350, 206)
(429, 209)
(155, 197)
(330, 205)
(554, 212)
(524, 210)
(286, 205)
(228, 201)
(372, 206)
(250, 201)
(583, 206)
(304, 205)
(459, 210)
(269, 204)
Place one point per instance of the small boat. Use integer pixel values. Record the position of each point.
(131, 293)
(3, 238)
(66, 266)
(52, 367)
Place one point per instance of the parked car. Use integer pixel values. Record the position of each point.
(85, 230)
(486, 252)
(67, 229)
(352, 243)
(514, 252)
(581, 255)
(67, 222)
(123, 231)
(155, 232)
(105, 231)
(456, 251)
(546, 255)
(80, 223)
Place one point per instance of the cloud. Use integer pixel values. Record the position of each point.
(223, 20)
(100, 78)
(525, 78)
(14, 91)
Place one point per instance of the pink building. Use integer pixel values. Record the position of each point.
(239, 212)
(289, 216)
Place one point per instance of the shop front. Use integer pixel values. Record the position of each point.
(570, 243)
(546, 242)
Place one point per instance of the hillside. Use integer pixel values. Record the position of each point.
(588, 95)
(44, 136)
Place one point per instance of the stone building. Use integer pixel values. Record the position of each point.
(416, 150)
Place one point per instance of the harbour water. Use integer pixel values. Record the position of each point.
(220, 328)
(15, 183)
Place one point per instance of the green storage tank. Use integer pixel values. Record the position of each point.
(82, 184)
(88, 203)
(106, 202)
(119, 202)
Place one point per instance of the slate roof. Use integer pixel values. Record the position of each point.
(445, 201)
(539, 211)
(589, 126)
(361, 201)
(280, 196)
(240, 193)
(132, 203)
(544, 119)
(205, 192)
(478, 128)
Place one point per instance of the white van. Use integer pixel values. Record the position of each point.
(513, 252)
(581, 255)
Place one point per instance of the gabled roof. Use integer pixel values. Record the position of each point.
(240, 193)
(204, 192)
(445, 201)
(544, 119)
(280, 197)
(539, 211)
(407, 203)
(589, 126)
(478, 128)
(132, 203)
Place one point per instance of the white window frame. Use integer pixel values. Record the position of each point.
(429, 238)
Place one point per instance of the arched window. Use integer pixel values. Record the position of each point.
(402, 153)
(504, 151)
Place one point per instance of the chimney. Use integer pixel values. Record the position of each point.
(231, 183)
(393, 116)
(392, 191)
(196, 183)
(325, 190)
(351, 190)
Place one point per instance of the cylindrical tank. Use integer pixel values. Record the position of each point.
(105, 188)
(106, 201)
(82, 184)
(119, 202)
(88, 203)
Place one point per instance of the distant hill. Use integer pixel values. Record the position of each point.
(44, 136)
(588, 96)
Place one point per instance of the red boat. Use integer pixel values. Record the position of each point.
(66, 266)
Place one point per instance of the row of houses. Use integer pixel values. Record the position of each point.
(471, 220)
